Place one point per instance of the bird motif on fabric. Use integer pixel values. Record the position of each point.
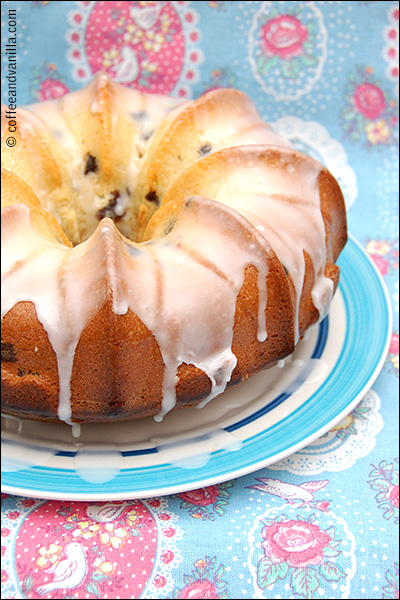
(145, 18)
(128, 67)
(69, 572)
(290, 491)
(107, 512)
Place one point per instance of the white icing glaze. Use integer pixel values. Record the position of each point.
(195, 452)
(162, 291)
(210, 244)
(89, 468)
(281, 199)
(236, 123)
(12, 459)
(154, 280)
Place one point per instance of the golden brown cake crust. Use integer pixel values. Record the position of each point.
(121, 377)
(132, 340)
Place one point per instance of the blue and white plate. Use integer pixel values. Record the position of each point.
(261, 421)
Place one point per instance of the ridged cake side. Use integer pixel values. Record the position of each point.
(236, 264)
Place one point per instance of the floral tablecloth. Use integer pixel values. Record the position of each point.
(325, 74)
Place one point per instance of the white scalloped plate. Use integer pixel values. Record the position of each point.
(261, 421)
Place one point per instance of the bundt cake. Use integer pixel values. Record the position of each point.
(155, 252)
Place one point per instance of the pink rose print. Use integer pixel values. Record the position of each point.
(154, 502)
(369, 114)
(205, 503)
(295, 542)
(164, 517)
(394, 344)
(299, 554)
(287, 48)
(284, 36)
(160, 581)
(28, 502)
(382, 264)
(393, 355)
(202, 496)
(369, 100)
(169, 532)
(199, 589)
(384, 254)
(205, 581)
(167, 557)
(385, 482)
(51, 89)
(14, 515)
(394, 496)
(47, 83)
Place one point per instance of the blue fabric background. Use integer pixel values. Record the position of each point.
(333, 91)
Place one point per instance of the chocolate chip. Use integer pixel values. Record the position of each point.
(7, 352)
(91, 164)
(22, 373)
(205, 149)
(109, 210)
(151, 196)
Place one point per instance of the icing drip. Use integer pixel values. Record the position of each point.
(28, 256)
(279, 195)
(154, 280)
(198, 249)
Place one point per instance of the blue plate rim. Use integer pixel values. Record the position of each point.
(40, 482)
